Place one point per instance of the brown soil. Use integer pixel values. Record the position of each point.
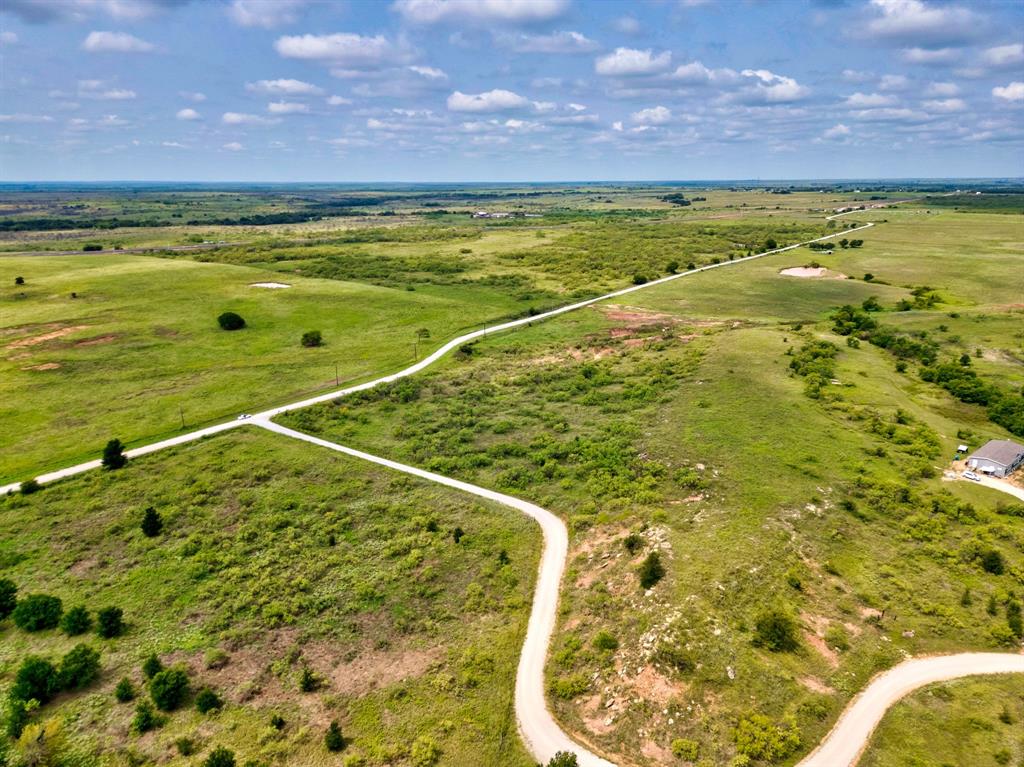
(43, 366)
(815, 685)
(635, 317)
(96, 341)
(44, 337)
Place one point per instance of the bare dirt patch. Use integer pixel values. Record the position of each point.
(816, 685)
(97, 340)
(812, 272)
(42, 338)
(634, 317)
(43, 366)
(270, 285)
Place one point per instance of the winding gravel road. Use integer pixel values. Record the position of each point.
(843, 746)
(541, 733)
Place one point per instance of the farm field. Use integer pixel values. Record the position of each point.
(642, 423)
(687, 421)
(275, 558)
(962, 723)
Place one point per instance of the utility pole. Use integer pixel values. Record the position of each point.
(182, 414)
(337, 380)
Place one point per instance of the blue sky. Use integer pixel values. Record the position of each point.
(519, 90)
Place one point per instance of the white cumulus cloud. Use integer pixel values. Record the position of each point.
(287, 108)
(342, 49)
(284, 87)
(431, 73)
(1004, 55)
(658, 115)
(1012, 92)
(337, 101)
(930, 56)
(836, 131)
(624, 62)
(233, 146)
(698, 74)
(188, 114)
(241, 118)
(556, 42)
(265, 13)
(918, 23)
(496, 100)
(945, 105)
(115, 42)
(509, 11)
(869, 100)
(772, 88)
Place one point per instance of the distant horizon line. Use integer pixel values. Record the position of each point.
(758, 180)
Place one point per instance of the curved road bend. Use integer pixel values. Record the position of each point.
(417, 367)
(541, 733)
(845, 744)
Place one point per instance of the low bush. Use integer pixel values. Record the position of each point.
(207, 700)
(334, 741)
(37, 612)
(110, 622)
(230, 321)
(8, 597)
(79, 668)
(152, 666)
(152, 523)
(36, 679)
(312, 338)
(76, 621)
(168, 688)
(651, 570)
(125, 690)
(776, 630)
(220, 757)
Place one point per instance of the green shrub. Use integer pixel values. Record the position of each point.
(185, 746)
(277, 722)
(152, 523)
(168, 688)
(685, 749)
(334, 741)
(37, 612)
(757, 738)
(425, 752)
(776, 630)
(835, 637)
(230, 321)
(651, 570)
(207, 700)
(36, 679)
(992, 562)
(569, 687)
(604, 641)
(29, 486)
(673, 656)
(312, 338)
(145, 718)
(17, 718)
(633, 543)
(8, 597)
(216, 658)
(151, 666)
(79, 668)
(308, 681)
(110, 622)
(563, 759)
(220, 757)
(125, 690)
(113, 455)
(1013, 618)
(76, 621)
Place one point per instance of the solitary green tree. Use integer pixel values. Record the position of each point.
(79, 667)
(37, 612)
(169, 688)
(110, 622)
(113, 455)
(312, 338)
(220, 757)
(76, 621)
(651, 570)
(775, 630)
(8, 597)
(333, 739)
(152, 523)
(230, 321)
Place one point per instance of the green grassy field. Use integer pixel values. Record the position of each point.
(141, 340)
(681, 422)
(276, 556)
(966, 723)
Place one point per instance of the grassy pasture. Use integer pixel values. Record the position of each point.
(141, 340)
(413, 635)
(803, 491)
(964, 723)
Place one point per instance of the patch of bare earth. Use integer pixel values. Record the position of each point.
(43, 366)
(42, 338)
(812, 272)
(816, 685)
(96, 341)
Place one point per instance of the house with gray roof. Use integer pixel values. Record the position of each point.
(997, 458)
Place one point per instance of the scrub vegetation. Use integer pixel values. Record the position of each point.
(751, 466)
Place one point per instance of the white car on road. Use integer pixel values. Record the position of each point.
(972, 475)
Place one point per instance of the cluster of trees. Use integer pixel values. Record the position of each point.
(40, 612)
(676, 198)
(1004, 407)
(37, 681)
(815, 362)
